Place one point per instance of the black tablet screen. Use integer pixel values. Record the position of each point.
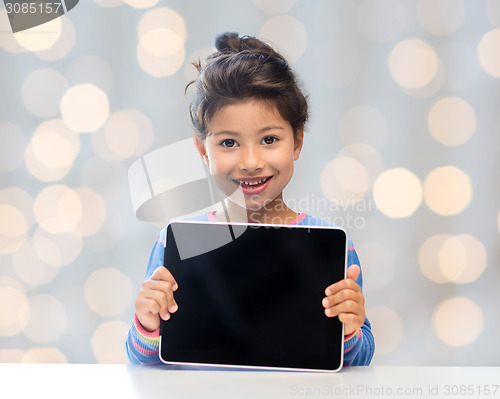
(250, 295)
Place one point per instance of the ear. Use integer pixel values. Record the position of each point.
(297, 145)
(200, 147)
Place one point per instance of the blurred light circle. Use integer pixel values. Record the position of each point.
(8, 41)
(162, 33)
(42, 91)
(58, 209)
(16, 214)
(429, 90)
(397, 192)
(458, 321)
(44, 355)
(488, 54)
(57, 249)
(109, 3)
(160, 66)
(13, 228)
(93, 211)
(17, 218)
(287, 34)
(344, 180)
(85, 108)
(52, 150)
(382, 20)
(493, 12)
(11, 355)
(64, 43)
(97, 292)
(387, 326)
(13, 223)
(368, 157)
(30, 268)
(413, 63)
(14, 311)
(161, 42)
(159, 18)
(428, 258)
(441, 17)
(447, 190)
(12, 144)
(340, 63)
(141, 3)
(35, 40)
(90, 69)
(452, 121)
(276, 6)
(462, 258)
(378, 264)
(107, 342)
(48, 319)
(364, 124)
(128, 133)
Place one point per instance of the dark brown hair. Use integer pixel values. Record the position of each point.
(243, 68)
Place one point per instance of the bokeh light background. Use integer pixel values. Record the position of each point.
(402, 150)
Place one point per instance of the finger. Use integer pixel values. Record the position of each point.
(146, 306)
(164, 297)
(167, 300)
(163, 274)
(347, 307)
(342, 285)
(353, 272)
(343, 296)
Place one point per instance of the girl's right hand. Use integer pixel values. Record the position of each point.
(156, 299)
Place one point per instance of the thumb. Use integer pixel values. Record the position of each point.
(353, 272)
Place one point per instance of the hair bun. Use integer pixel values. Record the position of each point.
(228, 42)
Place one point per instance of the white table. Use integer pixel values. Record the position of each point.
(91, 381)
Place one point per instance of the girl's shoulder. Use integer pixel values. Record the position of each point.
(309, 220)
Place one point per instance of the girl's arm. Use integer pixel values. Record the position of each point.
(142, 347)
(360, 345)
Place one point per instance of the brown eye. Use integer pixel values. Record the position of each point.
(269, 140)
(229, 143)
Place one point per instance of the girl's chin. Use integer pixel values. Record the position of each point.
(252, 205)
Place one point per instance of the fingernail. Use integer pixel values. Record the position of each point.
(328, 291)
(167, 316)
(175, 287)
(328, 312)
(173, 308)
(325, 302)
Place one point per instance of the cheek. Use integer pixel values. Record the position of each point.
(219, 165)
(283, 161)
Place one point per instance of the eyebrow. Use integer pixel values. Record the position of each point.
(263, 130)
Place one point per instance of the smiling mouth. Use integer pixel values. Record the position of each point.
(252, 183)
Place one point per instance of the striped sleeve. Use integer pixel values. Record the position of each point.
(142, 346)
(360, 345)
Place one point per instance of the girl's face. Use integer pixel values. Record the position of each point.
(250, 148)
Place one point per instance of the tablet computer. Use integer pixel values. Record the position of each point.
(250, 296)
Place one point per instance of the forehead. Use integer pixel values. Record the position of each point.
(245, 115)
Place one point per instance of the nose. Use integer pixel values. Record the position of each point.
(251, 159)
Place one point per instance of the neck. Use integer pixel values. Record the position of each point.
(275, 212)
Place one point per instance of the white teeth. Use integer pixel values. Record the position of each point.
(253, 183)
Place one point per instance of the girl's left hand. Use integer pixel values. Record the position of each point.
(345, 300)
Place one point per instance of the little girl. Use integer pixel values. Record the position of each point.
(249, 114)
